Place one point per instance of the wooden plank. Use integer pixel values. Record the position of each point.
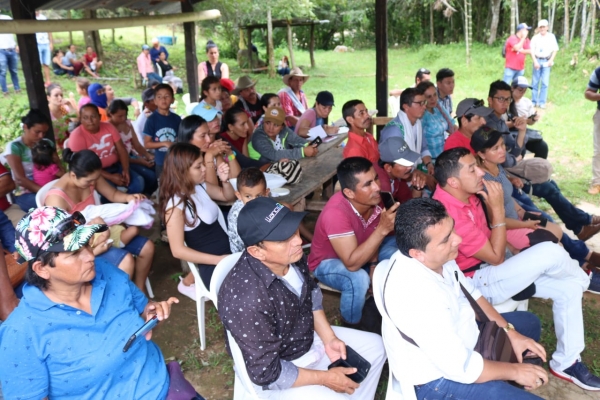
(191, 61)
(312, 46)
(249, 33)
(381, 121)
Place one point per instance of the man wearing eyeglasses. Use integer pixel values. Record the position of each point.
(65, 338)
(407, 125)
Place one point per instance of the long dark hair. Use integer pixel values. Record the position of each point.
(187, 127)
(175, 180)
(82, 163)
(230, 117)
(35, 117)
(205, 86)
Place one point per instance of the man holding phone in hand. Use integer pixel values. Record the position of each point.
(544, 270)
(65, 338)
(353, 233)
(273, 309)
(396, 167)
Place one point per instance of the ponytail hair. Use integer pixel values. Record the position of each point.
(82, 163)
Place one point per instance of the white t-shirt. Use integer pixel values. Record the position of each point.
(206, 209)
(544, 46)
(294, 280)
(7, 40)
(525, 107)
(42, 37)
(138, 126)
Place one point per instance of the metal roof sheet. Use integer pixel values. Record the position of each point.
(162, 6)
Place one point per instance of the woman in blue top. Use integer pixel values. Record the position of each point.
(437, 124)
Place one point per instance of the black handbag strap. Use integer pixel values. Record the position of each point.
(478, 311)
(405, 337)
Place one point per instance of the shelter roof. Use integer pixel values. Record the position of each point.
(162, 6)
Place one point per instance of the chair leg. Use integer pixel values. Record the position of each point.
(149, 289)
(201, 331)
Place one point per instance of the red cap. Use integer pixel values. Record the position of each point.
(227, 84)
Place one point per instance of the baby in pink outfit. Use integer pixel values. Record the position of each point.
(44, 168)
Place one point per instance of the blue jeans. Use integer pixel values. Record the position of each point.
(7, 233)
(574, 218)
(493, 390)
(149, 176)
(577, 249)
(539, 95)
(136, 181)
(8, 61)
(352, 284)
(526, 323)
(26, 201)
(152, 76)
(511, 74)
(44, 51)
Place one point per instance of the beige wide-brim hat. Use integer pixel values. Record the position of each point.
(243, 82)
(294, 72)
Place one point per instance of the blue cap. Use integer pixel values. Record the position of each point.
(523, 25)
(145, 47)
(206, 111)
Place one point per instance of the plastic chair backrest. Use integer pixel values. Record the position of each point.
(219, 274)
(397, 389)
(240, 370)
(40, 196)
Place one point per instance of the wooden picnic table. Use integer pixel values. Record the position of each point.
(317, 173)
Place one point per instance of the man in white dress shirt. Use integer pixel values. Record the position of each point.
(423, 298)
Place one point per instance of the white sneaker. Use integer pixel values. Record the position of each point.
(189, 291)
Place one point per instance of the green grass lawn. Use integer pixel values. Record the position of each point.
(566, 123)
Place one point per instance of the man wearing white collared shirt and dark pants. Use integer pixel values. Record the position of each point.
(423, 297)
(8, 60)
(543, 50)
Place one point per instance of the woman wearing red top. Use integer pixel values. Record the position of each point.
(91, 59)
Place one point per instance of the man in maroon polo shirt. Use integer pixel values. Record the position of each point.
(395, 169)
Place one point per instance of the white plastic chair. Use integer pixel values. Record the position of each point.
(40, 197)
(511, 305)
(202, 292)
(394, 105)
(219, 274)
(398, 388)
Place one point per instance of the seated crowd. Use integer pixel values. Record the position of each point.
(437, 204)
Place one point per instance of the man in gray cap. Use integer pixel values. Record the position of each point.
(471, 114)
(273, 309)
(396, 167)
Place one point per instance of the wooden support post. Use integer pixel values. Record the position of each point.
(381, 58)
(191, 62)
(30, 61)
(312, 46)
(290, 40)
(270, 47)
(146, 33)
(69, 16)
(249, 32)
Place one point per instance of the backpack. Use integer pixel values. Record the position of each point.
(504, 47)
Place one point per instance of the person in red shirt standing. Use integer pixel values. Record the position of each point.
(360, 142)
(517, 48)
(470, 114)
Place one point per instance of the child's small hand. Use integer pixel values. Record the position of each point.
(223, 171)
(136, 197)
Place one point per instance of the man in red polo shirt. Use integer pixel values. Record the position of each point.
(395, 168)
(544, 270)
(360, 142)
(517, 47)
(352, 235)
(470, 114)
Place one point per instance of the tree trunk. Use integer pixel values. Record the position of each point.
(290, 41)
(270, 46)
(468, 32)
(431, 38)
(553, 14)
(574, 21)
(539, 9)
(70, 32)
(566, 23)
(495, 19)
(513, 9)
(585, 24)
(92, 38)
(311, 46)
(593, 22)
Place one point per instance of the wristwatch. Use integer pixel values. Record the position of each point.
(509, 327)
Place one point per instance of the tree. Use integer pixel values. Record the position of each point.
(566, 22)
(468, 29)
(495, 19)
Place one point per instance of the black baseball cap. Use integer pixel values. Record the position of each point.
(325, 98)
(264, 219)
(472, 106)
(484, 138)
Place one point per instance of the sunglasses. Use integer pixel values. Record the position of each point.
(64, 228)
(476, 104)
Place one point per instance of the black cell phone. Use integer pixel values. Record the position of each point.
(532, 116)
(317, 141)
(531, 216)
(353, 360)
(388, 199)
(147, 327)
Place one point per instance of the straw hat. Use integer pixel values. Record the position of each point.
(243, 82)
(294, 72)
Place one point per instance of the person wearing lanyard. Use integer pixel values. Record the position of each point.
(8, 60)
(543, 50)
